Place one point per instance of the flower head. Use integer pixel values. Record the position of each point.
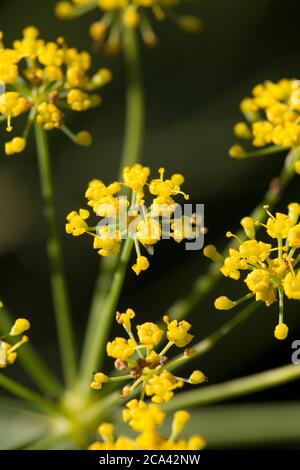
(122, 220)
(150, 370)
(145, 419)
(271, 272)
(8, 350)
(273, 119)
(45, 79)
(178, 332)
(116, 15)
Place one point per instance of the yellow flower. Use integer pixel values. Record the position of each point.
(142, 264)
(149, 334)
(121, 348)
(9, 59)
(258, 280)
(106, 431)
(12, 104)
(135, 178)
(273, 112)
(281, 331)
(143, 417)
(242, 130)
(272, 271)
(255, 251)
(148, 232)
(21, 325)
(161, 387)
(294, 236)
(291, 285)
(49, 116)
(78, 100)
(8, 354)
(165, 189)
(178, 332)
(54, 78)
(98, 380)
(107, 242)
(233, 264)
(97, 191)
(116, 15)
(262, 132)
(279, 226)
(123, 220)
(237, 151)
(197, 377)
(76, 222)
(147, 368)
(224, 303)
(16, 145)
(211, 252)
(125, 318)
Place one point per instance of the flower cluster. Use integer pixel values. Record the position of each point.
(272, 271)
(144, 419)
(273, 119)
(150, 370)
(119, 14)
(43, 79)
(8, 353)
(120, 220)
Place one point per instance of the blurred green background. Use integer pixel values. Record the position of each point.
(193, 86)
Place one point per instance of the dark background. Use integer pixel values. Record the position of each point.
(193, 85)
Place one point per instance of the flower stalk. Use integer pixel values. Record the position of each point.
(132, 151)
(236, 388)
(182, 308)
(58, 282)
(93, 358)
(26, 394)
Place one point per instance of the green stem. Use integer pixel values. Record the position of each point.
(202, 347)
(32, 363)
(135, 101)
(96, 351)
(132, 151)
(26, 394)
(205, 283)
(48, 442)
(235, 388)
(58, 282)
(205, 345)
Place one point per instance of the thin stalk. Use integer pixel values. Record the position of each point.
(205, 345)
(135, 100)
(132, 151)
(235, 388)
(32, 363)
(48, 442)
(205, 283)
(58, 282)
(95, 352)
(209, 395)
(26, 394)
(202, 347)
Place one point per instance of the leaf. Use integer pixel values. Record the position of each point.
(251, 425)
(19, 425)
